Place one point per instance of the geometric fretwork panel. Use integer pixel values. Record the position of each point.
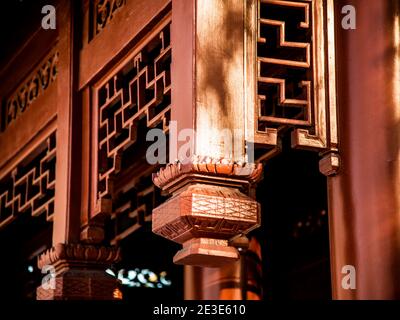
(284, 67)
(295, 73)
(139, 90)
(30, 186)
(132, 208)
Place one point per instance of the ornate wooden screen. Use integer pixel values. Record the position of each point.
(30, 185)
(28, 140)
(116, 86)
(127, 98)
(139, 87)
(291, 73)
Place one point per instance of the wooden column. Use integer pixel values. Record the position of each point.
(235, 281)
(66, 216)
(78, 269)
(208, 75)
(209, 185)
(364, 199)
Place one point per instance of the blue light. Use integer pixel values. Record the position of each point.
(110, 272)
(141, 278)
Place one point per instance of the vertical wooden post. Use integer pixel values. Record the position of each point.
(208, 74)
(364, 198)
(67, 201)
(79, 269)
(209, 85)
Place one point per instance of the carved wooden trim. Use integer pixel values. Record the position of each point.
(102, 12)
(208, 167)
(31, 88)
(78, 253)
(129, 25)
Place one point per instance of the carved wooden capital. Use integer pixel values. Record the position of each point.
(207, 209)
(78, 255)
(200, 169)
(79, 273)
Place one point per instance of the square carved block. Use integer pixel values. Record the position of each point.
(203, 218)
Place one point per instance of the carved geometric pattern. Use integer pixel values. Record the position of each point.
(175, 229)
(31, 89)
(284, 66)
(295, 73)
(225, 227)
(139, 89)
(202, 211)
(211, 205)
(103, 12)
(168, 220)
(30, 186)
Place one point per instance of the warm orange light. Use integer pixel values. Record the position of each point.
(117, 294)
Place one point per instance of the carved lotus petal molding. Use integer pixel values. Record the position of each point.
(208, 166)
(79, 252)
